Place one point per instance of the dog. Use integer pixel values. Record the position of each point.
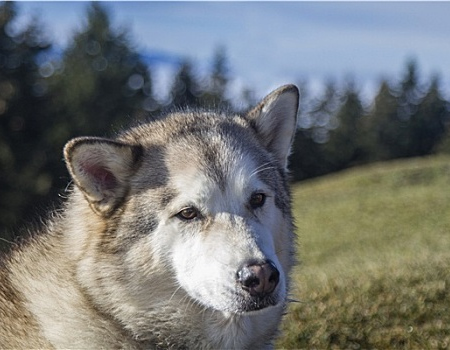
(177, 233)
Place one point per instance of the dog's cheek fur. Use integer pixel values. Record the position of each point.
(141, 233)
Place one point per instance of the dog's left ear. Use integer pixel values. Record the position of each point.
(101, 169)
(275, 121)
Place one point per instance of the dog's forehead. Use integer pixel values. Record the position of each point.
(202, 149)
(218, 155)
(214, 157)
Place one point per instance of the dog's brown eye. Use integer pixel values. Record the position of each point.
(188, 214)
(257, 200)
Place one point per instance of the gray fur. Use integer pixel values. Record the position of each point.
(119, 268)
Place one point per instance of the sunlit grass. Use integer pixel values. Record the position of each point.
(374, 245)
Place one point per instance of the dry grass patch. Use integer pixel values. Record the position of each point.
(375, 251)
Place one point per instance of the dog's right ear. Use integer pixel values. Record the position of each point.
(275, 121)
(100, 168)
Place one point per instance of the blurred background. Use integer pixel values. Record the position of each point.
(374, 79)
(370, 163)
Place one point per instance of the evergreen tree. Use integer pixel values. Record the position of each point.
(409, 95)
(214, 94)
(307, 158)
(185, 90)
(322, 113)
(430, 122)
(386, 132)
(99, 83)
(103, 81)
(344, 148)
(24, 178)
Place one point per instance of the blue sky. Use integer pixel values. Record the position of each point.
(272, 43)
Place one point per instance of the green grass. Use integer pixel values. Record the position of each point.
(374, 245)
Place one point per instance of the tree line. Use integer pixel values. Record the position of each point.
(100, 83)
(407, 118)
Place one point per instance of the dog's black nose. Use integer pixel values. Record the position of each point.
(258, 278)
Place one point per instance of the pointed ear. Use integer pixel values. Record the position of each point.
(275, 121)
(101, 168)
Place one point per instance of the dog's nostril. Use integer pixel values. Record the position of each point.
(259, 278)
(274, 274)
(251, 282)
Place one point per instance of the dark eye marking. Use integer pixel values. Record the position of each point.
(257, 200)
(188, 214)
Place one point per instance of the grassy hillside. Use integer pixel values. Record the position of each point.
(374, 243)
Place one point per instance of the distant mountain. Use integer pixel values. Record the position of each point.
(152, 58)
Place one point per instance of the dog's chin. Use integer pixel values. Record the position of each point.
(250, 306)
(256, 304)
(240, 303)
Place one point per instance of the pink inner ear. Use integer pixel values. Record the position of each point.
(101, 175)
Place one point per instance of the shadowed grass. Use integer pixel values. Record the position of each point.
(375, 253)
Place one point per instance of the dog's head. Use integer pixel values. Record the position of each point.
(197, 201)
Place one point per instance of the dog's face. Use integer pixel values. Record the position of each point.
(226, 220)
(200, 201)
